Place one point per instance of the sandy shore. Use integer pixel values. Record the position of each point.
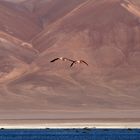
(68, 119)
(34, 124)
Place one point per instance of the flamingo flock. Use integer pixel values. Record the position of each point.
(73, 62)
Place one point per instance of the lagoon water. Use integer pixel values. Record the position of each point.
(70, 134)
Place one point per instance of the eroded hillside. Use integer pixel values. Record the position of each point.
(103, 33)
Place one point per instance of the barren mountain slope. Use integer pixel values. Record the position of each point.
(49, 11)
(16, 21)
(106, 35)
(103, 33)
(14, 1)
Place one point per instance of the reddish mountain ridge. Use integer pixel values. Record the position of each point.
(103, 33)
(15, 20)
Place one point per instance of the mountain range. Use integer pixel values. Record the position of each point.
(104, 33)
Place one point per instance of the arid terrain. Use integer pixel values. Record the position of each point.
(104, 33)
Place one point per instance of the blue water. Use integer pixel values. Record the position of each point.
(70, 134)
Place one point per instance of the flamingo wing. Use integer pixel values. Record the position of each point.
(54, 59)
(72, 63)
(84, 62)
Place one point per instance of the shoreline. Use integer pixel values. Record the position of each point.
(67, 124)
